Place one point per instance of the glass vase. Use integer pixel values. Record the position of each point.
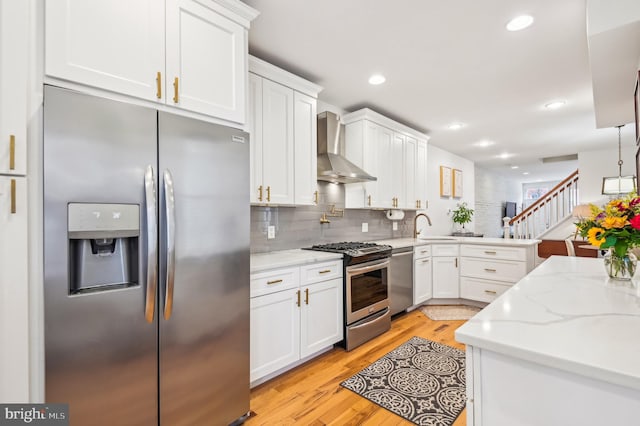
(620, 268)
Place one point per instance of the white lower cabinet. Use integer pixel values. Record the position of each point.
(290, 324)
(321, 310)
(445, 271)
(14, 312)
(422, 281)
(488, 271)
(275, 332)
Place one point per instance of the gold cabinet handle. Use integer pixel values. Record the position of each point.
(490, 252)
(306, 296)
(260, 193)
(315, 197)
(490, 292)
(13, 196)
(298, 294)
(489, 270)
(268, 194)
(369, 198)
(425, 261)
(12, 152)
(417, 204)
(159, 85)
(175, 90)
(274, 282)
(456, 262)
(326, 271)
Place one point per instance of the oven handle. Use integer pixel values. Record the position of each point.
(378, 316)
(368, 267)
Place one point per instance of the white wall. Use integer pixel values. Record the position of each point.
(594, 165)
(439, 206)
(491, 191)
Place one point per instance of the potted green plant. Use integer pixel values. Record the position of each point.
(462, 215)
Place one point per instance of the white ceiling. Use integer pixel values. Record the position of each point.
(448, 61)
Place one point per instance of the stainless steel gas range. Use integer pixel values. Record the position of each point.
(366, 289)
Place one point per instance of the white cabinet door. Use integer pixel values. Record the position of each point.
(321, 316)
(277, 142)
(398, 190)
(275, 332)
(384, 152)
(205, 52)
(421, 174)
(14, 309)
(14, 38)
(255, 131)
(306, 149)
(370, 164)
(409, 178)
(113, 45)
(422, 290)
(445, 277)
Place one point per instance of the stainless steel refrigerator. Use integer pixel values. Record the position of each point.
(146, 264)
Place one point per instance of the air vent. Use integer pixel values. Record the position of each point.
(559, 158)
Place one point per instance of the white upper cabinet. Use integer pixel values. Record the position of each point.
(392, 153)
(421, 174)
(14, 24)
(113, 45)
(305, 125)
(185, 53)
(277, 143)
(283, 126)
(206, 55)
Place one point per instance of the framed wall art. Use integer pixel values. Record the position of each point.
(457, 183)
(445, 181)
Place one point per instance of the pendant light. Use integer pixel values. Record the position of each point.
(616, 185)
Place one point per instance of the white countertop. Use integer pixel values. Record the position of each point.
(284, 258)
(407, 242)
(566, 314)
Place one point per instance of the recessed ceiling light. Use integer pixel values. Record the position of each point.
(555, 104)
(515, 167)
(484, 143)
(456, 126)
(376, 79)
(525, 173)
(505, 155)
(519, 23)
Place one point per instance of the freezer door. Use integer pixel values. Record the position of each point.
(204, 297)
(100, 351)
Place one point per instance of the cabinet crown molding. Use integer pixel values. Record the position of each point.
(376, 117)
(272, 72)
(241, 13)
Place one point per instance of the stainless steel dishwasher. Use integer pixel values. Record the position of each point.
(401, 279)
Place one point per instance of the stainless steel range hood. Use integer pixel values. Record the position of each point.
(332, 165)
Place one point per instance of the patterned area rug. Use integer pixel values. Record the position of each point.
(449, 312)
(420, 380)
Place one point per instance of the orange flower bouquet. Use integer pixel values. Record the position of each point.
(615, 226)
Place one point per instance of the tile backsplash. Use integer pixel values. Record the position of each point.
(300, 226)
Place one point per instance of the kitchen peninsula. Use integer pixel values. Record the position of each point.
(560, 347)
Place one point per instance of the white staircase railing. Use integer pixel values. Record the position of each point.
(555, 206)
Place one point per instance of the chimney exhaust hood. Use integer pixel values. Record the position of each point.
(332, 165)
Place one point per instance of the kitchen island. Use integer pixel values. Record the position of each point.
(560, 347)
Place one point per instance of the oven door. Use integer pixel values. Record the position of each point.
(367, 289)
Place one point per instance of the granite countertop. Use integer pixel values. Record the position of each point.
(284, 258)
(566, 314)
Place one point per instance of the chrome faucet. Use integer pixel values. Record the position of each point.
(415, 224)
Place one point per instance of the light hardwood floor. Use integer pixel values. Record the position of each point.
(311, 393)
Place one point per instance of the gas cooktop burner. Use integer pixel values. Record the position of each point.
(353, 249)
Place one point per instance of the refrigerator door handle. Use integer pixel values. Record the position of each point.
(170, 207)
(152, 243)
